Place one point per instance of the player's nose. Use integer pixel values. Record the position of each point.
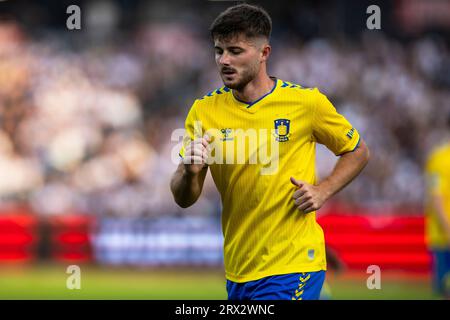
(224, 59)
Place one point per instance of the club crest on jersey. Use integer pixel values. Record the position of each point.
(282, 129)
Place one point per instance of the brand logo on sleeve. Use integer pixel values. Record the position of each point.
(350, 133)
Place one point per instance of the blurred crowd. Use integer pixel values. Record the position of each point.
(89, 130)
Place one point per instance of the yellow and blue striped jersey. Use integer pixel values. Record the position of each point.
(438, 183)
(264, 233)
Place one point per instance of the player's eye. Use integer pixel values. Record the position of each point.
(236, 51)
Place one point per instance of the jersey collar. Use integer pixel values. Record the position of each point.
(252, 106)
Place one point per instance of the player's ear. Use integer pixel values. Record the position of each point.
(265, 52)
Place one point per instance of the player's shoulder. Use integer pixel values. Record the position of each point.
(309, 97)
(440, 149)
(212, 96)
(439, 154)
(291, 88)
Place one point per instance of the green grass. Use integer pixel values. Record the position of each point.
(49, 282)
(393, 286)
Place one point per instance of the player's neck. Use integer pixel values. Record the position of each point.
(255, 89)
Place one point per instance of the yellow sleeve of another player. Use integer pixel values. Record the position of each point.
(434, 176)
(331, 128)
(193, 129)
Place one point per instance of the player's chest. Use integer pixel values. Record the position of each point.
(284, 124)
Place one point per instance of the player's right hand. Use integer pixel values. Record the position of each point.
(196, 155)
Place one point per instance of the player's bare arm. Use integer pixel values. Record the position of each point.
(312, 197)
(187, 181)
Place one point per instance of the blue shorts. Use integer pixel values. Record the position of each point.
(293, 286)
(441, 271)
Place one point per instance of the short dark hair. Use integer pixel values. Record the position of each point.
(250, 20)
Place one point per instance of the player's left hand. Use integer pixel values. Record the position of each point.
(308, 197)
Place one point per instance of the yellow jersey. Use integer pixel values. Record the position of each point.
(438, 183)
(264, 232)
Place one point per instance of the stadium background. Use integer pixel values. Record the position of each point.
(85, 142)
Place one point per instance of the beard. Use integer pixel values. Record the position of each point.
(242, 80)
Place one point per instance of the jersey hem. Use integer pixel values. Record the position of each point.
(260, 275)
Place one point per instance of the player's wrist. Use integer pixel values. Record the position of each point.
(325, 190)
(193, 170)
(188, 173)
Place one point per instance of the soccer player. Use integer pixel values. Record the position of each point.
(273, 246)
(437, 213)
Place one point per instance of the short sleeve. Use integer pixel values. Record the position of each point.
(331, 128)
(193, 129)
(434, 183)
(435, 180)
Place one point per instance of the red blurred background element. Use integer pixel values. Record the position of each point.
(392, 241)
(26, 237)
(18, 236)
(71, 238)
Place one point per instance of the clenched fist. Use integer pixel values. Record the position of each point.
(196, 155)
(308, 197)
